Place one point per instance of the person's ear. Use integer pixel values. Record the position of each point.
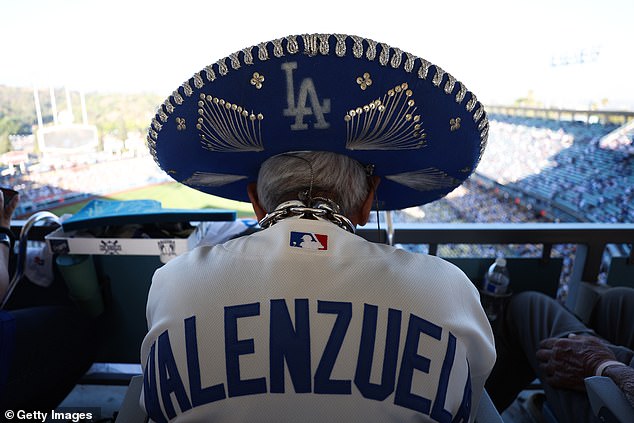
(363, 215)
(252, 191)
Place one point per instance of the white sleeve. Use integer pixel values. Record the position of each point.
(477, 336)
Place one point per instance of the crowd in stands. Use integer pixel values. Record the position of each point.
(621, 140)
(472, 202)
(564, 164)
(47, 186)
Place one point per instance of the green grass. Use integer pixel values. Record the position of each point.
(171, 195)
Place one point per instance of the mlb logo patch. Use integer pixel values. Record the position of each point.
(309, 241)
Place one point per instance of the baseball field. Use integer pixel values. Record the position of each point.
(171, 195)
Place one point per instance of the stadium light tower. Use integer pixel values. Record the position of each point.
(84, 112)
(69, 105)
(53, 104)
(579, 57)
(38, 109)
(567, 85)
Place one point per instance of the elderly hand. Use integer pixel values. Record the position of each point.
(566, 362)
(7, 212)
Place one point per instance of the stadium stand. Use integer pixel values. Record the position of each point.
(49, 186)
(585, 170)
(534, 169)
(563, 164)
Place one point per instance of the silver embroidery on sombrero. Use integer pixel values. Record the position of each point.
(187, 89)
(227, 127)
(207, 179)
(454, 124)
(162, 116)
(314, 44)
(198, 81)
(156, 124)
(151, 144)
(209, 72)
(427, 179)
(386, 124)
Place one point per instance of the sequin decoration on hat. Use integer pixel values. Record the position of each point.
(420, 128)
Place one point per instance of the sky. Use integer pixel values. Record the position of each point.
(501, 50)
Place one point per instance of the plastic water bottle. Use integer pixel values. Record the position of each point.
(497, 278)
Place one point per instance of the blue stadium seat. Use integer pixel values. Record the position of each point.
(607, 400)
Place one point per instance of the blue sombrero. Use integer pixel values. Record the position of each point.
(421, 130)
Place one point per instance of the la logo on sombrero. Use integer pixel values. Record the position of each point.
(309, 241)
(307, 92)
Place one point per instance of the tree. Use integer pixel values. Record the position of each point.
(8, 126)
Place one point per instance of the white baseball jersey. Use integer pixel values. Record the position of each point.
(305, 322)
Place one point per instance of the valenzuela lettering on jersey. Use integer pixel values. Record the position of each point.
(289, 350)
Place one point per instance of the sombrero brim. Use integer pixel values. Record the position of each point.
(421, 129)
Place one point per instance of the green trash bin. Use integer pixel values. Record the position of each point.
(81, 279)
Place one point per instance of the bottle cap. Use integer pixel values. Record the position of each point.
(500, 261)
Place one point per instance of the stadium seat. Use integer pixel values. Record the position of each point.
(607, 400)
(22, 249)
(131, 411)
(487, 413)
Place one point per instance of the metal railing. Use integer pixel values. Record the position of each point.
(590, 239)
(25, 233)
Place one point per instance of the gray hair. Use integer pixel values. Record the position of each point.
(336, 177)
